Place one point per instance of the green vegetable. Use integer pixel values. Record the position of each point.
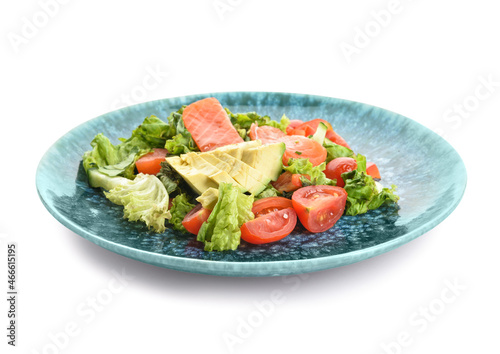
(180, 208)
(320, 134)
(334, 150)
(361, 161)
(364, 194)
(112, 160)
(270, 191)
(304, 167)
(170, 178)
(181, 141)
(144, 199)
(245, 120)
(221, 232)
(153, 131)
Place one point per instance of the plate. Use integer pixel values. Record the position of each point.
(407, 154)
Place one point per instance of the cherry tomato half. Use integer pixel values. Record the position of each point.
(300, 147)
(150, 163)
(310, 127)
(195, 218)
(336, 167)
(267, 205)
(287, 182)
(269, 227)
(319, 207)
(372, 170)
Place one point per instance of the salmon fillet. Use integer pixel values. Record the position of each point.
(209, 124)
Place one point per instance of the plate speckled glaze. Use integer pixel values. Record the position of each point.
(408, 155)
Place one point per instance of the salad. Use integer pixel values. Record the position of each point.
(226, 176)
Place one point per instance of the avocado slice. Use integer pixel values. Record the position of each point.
(209, 198)
(197, 180)
(266, 158)
(254, 181)
(236, 150)
(194, 160)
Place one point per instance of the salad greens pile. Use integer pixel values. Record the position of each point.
(315, 173)
(363, 193)
(146, 198)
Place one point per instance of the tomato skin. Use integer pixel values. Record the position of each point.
(372, 170)
(336, 167)
(337, 139)
(267, 205)
(270, 227)
(292, 125)
(298, 147)
(319, 207)
(266, 134)
(150, 163)
(195, 218)
(310, 127)
(287, 182)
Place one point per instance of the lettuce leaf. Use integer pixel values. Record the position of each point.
(364, 194)
(245, 120)
(144, 199)
(221, 232)
(153, 131)
(114, 160)
(304, 167)
(270, 191)
(334, 150)
(180, 208)
(180, 140)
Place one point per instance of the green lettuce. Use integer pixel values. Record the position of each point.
(334, 150)
(221, 232)
(270, 191)
(153, 131)
(364, 194)
(180, 141)
(245, 120)
(304, 167)
(144, 199)
(180, 208)
(108, 160)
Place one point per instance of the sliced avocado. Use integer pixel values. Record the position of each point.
(194, 160)
(236, 150)
(267, 159)
(197, 180)
(209, 198)
(254, 181)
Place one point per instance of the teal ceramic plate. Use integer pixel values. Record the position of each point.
(408, 155)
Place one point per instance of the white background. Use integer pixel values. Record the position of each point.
(427, 59)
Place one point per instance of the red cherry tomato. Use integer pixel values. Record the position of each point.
(287, 182)
(372, 170)
(319, 207)
(310, 127)
(301, 147)
(267, 205)
(150, 163)
(270, 227)
(336, 167)
(195, 218)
